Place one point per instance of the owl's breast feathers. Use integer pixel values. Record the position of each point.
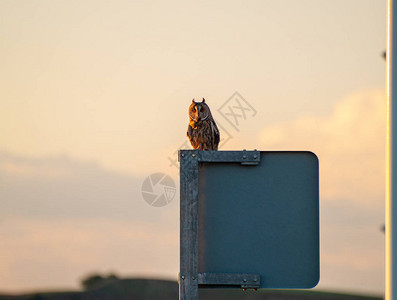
(203, 135)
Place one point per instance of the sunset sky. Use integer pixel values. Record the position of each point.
(94, 98)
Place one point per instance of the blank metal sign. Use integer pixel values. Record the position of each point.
(261, 219)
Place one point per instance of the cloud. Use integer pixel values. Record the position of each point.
(350, 144)
(42, 254)
(61, 218)
(60, 187)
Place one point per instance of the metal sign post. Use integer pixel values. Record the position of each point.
(391, 155)
(248, 219)
(188, 285)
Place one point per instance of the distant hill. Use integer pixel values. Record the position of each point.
(149, 289)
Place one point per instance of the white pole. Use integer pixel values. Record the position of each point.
(391, 155)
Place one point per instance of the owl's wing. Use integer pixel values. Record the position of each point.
(190, 135)
(189, 132)
(216, 134)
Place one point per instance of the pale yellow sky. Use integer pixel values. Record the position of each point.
(98, 91)
(88, 78)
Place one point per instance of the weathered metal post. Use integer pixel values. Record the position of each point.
(391, 155)
(188, 281)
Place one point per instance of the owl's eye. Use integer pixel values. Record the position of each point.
(201, 109)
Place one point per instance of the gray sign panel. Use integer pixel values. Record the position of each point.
(261, 219)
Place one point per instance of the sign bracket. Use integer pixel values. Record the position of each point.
(244, 281)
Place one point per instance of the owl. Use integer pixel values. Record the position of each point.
(202, 130)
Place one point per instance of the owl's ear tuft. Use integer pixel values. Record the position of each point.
(193, 100)
(203, 100)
